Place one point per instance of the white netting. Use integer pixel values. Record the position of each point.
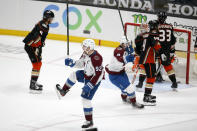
(182, 36)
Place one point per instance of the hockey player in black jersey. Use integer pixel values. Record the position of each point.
(167, 41)
(146, 47)
(34, 42)
(138, 50)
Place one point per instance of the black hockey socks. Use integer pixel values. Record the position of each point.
(172, 78)
(142, 78)
(148, 91)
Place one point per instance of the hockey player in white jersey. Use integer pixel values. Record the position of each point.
(120, 64)
(91, 76)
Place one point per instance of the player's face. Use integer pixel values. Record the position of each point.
(143, 28)
(86, 49)
(124, 45)
(50, 20)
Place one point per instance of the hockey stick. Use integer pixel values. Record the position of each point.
(158, 69)
(121, 19)
(67, 5)
(134, 77)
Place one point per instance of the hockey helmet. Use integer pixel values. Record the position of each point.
(162, 16)
(89, 43)
(123, 40)
(48, 14)
(153, 25)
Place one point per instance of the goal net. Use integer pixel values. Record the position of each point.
(184, 68)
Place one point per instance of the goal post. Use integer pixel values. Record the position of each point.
(132, 29)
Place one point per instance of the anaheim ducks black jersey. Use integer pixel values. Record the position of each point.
(166, 36)
(38, 35)
(139, 44)
(149, 47)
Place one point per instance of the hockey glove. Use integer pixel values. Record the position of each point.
(129, 58)
(69, 62)
(163, 57)
(129, 49)
(88, 87)
(129, 68)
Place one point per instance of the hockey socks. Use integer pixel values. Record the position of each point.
(141, 80)
(35, 88)
(124, 97)
(35, 75)
(173, 79)
(88, 116)
(61, 91)
(65, 87)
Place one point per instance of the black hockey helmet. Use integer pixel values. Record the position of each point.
(162, 16)
(48, 14)
(153, 25)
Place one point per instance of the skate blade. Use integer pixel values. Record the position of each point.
(149, 104)
(174, 89)
(58, 94)
(35, 92)
(90, 129)
(125, 102)
(138, 107)
(40, 86)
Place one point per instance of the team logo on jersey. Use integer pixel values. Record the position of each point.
(96, 57)
(44, 25)
(119, 48)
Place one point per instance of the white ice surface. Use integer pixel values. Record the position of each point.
(21, 111)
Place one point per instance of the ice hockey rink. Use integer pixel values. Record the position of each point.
(22, 111)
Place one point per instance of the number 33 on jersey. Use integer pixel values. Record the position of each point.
(166, 36)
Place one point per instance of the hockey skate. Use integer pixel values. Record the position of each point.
(34, 88)
(174, 86)
(149, 100)
(39, 85)
(60, 92)
(124, 98)
(87, 125)
(137, 105)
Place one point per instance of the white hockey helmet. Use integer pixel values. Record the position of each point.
(89, 43)
(123, 40)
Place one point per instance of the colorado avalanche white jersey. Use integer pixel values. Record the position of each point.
(116, 65)
(93, 68)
